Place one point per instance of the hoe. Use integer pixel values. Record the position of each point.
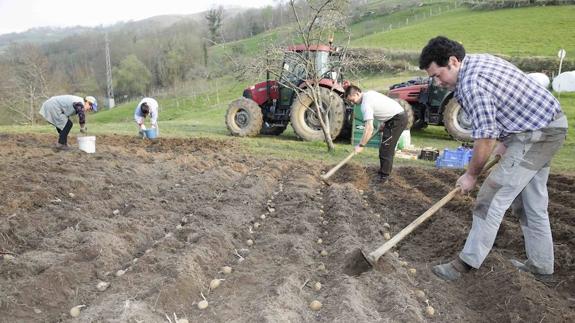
(332, 171)
(361, 262)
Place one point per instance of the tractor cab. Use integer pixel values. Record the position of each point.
(303, 64)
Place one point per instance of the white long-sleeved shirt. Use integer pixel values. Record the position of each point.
(139, 116)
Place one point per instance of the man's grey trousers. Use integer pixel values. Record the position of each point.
(520, 181)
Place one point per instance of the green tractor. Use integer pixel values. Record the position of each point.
(432, 105)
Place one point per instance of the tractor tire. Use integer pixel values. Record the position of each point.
(304, 120)
(271, 131)
(345, 133)
(456, 121)
(244, 118)
(408, 111)
(418, 117)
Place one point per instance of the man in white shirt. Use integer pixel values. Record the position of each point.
(392, 121)
(147, 106)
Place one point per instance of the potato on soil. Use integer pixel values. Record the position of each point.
(316, 286)
(75, 311)
(203, 304)
(420, 294)
(215, 283)
(315, 305)
(102, 286)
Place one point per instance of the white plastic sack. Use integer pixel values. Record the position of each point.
(540, 78)
(564, 82)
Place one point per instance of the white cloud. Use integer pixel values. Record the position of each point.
(20, 15)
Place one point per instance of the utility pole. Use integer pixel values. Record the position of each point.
(110, 89)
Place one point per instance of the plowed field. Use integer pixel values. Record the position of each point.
(158, 220)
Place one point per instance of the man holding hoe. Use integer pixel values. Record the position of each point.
(525, 124)
(392, 121)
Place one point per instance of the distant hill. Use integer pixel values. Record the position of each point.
(42, 35)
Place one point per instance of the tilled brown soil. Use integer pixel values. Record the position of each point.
(157, 220)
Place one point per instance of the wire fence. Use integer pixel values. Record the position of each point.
(376, 26)
(433, 12)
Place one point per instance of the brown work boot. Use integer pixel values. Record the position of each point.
(451, 270)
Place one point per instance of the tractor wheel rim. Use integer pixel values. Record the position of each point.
(311, 118)
(242, 118)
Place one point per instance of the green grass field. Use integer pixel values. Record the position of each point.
(202, 115)
(536, 31)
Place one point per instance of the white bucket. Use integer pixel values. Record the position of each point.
(87, 144)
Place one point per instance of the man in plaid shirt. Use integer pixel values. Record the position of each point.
(512, 116)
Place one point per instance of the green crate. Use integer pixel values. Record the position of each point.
(357, 127)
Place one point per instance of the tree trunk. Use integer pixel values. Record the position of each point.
(321, 117)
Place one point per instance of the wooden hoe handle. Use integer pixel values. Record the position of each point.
(375, 255)
(338, 166)
(343, 162)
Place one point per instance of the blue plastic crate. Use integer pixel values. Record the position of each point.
(457, 158)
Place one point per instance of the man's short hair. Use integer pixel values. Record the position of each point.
(351, 89)
(438, 50)
(145, 108)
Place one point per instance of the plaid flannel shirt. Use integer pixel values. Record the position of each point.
(500, 99)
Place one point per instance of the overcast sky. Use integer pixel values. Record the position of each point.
(21, 15)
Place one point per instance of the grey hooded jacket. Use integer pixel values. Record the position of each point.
(57, 109)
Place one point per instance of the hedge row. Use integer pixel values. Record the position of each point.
(383, 60)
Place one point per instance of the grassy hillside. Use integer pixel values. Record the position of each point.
(368, 24)
(373, 23)
(202, 115)
(537, 31)
(534, 31)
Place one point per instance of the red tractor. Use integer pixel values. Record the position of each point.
(267, 107)
(432, 105)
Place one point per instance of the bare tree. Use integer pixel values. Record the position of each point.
(306, 89)
(26, 85)
(317, 21)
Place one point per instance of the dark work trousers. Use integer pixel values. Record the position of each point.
(63, 139)
(390, 135)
